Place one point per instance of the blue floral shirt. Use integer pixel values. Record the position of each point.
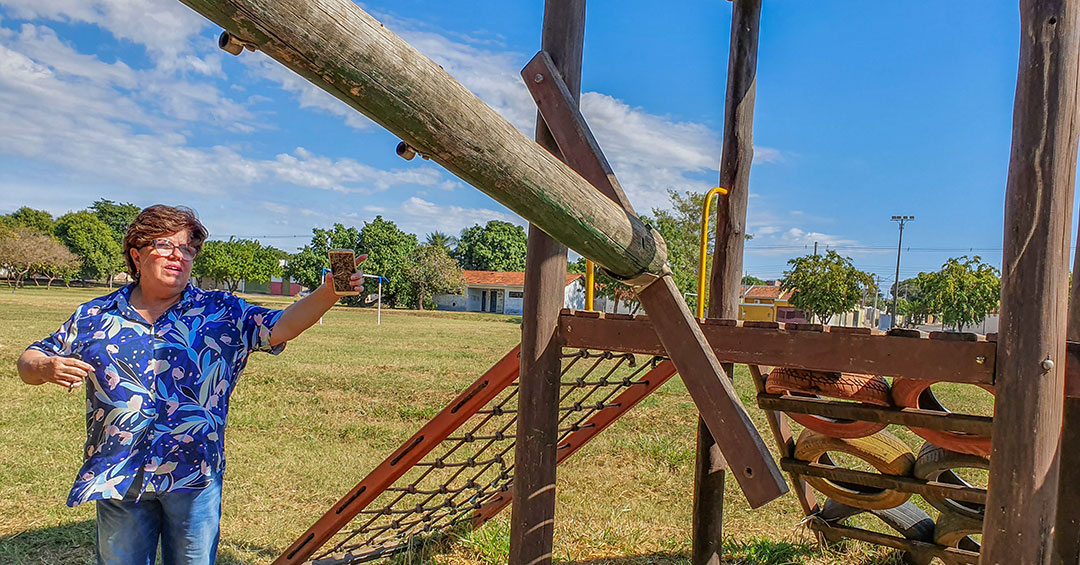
(158, 399)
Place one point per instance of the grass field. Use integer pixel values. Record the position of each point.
(305, 426)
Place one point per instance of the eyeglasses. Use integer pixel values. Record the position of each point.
(165, 248)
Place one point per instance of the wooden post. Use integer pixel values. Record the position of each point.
(1022, 499)
(736, 156)
(340, 48)
(532, 517)
(1067, 529)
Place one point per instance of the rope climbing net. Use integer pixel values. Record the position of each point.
(465, 479)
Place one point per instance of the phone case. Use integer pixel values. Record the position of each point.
(342, 265)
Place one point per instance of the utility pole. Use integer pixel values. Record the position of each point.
(873, 317)
(896, 283)
(815, 249)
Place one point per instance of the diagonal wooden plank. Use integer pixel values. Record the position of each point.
(716, 399)
(560, 111)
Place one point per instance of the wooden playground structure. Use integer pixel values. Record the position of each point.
(545, 399)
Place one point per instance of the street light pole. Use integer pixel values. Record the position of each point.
(896, 284)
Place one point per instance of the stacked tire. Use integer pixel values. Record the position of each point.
(869, 442)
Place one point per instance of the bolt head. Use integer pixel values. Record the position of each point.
(1048, 365)
(538, 78)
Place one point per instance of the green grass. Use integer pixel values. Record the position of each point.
(305, 426)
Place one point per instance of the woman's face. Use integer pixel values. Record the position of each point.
(165, 263)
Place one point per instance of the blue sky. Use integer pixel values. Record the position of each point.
(864, 110)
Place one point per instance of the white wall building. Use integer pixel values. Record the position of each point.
(503, 293)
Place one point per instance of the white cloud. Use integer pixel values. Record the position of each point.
(421, 216)
(165, 28)
(345, 175)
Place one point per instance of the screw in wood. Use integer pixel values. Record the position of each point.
(539, 78)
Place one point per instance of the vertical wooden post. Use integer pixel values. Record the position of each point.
(1067, 529)
(726, 285)
(533, 513)
(1022, 500)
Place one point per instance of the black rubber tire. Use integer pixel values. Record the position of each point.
(935, 463)
(907, 519)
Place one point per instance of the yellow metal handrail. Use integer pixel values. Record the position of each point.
(590, 282)
(704, 245)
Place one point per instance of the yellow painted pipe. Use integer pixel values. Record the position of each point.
(590, 282)
(704, 246)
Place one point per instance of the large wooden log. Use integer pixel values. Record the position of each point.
(532, 520)
(737, 154)
(343, 50)
(1022, 502)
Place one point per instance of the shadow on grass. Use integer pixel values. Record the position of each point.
(73, 544)
(65, 544)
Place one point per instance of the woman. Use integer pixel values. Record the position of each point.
(159, 359)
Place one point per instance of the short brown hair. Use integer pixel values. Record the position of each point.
(157, 221)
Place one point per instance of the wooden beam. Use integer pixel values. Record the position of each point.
(978, 425)
(714, 395)
(1022, 503)
(892, 482)
(953, 361)
(785, 444)
(532, 520)
(949, 555)
(737, 153)
(343, 50)
(558, 107)
(1067, 527)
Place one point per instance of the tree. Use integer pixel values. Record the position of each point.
(305, 266)
(967, 290)
(92, 240)
(432, 271)
(824, 285)
(39, 220)
(918, 298)
(118, 216)
(680, 226)
(236, 260)
(441, 239)
(749, 280)
(18, 253)
(496, 246)
(388, 250)
(56, 261)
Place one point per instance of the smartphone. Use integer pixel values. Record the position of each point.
(343, 266)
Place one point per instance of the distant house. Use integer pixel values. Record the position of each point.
(770, 303)
(503, 293)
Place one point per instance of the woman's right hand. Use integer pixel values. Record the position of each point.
(37, 368)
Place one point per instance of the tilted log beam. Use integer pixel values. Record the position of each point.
(343, 50)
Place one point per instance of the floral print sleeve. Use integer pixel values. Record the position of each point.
(60, 342)
(256, 323)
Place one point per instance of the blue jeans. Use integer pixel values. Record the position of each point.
(188, 523)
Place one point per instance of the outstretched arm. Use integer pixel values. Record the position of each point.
(303, 313)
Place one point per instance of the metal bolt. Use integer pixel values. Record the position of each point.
(538, 78)
(569, 329)
(1047, 365)
(980, 360)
